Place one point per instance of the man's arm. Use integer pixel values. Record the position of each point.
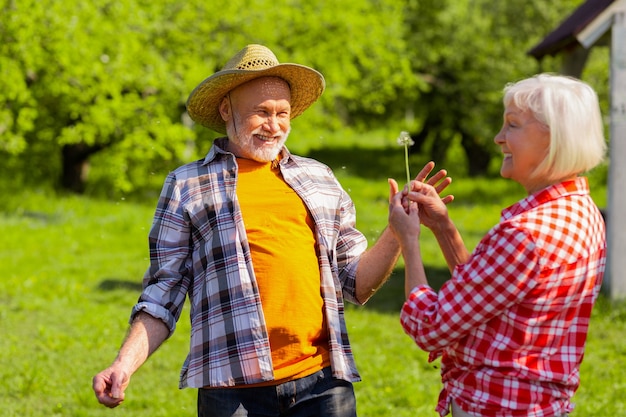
(145, 335)
(376, 265)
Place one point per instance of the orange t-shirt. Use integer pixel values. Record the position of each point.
(281, 236)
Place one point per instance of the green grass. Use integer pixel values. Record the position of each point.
(71, 270)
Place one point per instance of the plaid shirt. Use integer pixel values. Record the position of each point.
(199, 249)
(511, 323)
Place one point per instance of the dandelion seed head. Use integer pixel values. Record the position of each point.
(405, 139)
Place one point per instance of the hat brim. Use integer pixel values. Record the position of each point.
(306, 85)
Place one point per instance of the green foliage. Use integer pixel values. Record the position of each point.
(91, 77)
(106, 82)
(467, 51)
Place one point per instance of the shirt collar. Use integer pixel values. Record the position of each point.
(219, 148)
(577, 186)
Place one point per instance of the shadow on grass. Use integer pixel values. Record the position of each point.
(390, 297)
(112, 284)
(382, 163)
(366, 163)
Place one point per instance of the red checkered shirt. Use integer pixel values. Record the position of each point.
(511, 323)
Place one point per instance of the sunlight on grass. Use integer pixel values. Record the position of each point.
(72, 269)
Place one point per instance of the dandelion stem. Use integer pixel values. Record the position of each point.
(405, 140)
(406, 163)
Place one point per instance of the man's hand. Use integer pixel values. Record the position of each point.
(109, 386)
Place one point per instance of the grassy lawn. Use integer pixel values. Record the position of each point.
(71, 270)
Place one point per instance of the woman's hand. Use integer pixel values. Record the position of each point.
(404, 220)
(439, 181)
(426, 192)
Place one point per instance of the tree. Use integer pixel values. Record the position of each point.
(100, 87)
(84, 80)
(472, 48)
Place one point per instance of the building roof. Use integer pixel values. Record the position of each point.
(564, 36)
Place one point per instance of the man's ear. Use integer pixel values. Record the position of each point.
(225, 109)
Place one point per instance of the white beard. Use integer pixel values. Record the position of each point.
(250, 151)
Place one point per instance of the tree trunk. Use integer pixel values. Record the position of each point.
(477, 156)
(76, 166)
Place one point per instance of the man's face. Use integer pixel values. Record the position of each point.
(258, 118)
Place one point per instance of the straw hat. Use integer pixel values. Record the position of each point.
(252, 62)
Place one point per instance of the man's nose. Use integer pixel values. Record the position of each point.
(272, 123)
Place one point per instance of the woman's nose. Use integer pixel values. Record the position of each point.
(499, 138)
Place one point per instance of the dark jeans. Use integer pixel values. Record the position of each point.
(317, 395)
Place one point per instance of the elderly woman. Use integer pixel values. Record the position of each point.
(510, 325)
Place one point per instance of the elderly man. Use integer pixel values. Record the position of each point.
(264, 244)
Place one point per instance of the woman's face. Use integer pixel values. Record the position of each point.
(524, 141)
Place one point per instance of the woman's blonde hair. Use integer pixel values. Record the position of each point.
(569, 109)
